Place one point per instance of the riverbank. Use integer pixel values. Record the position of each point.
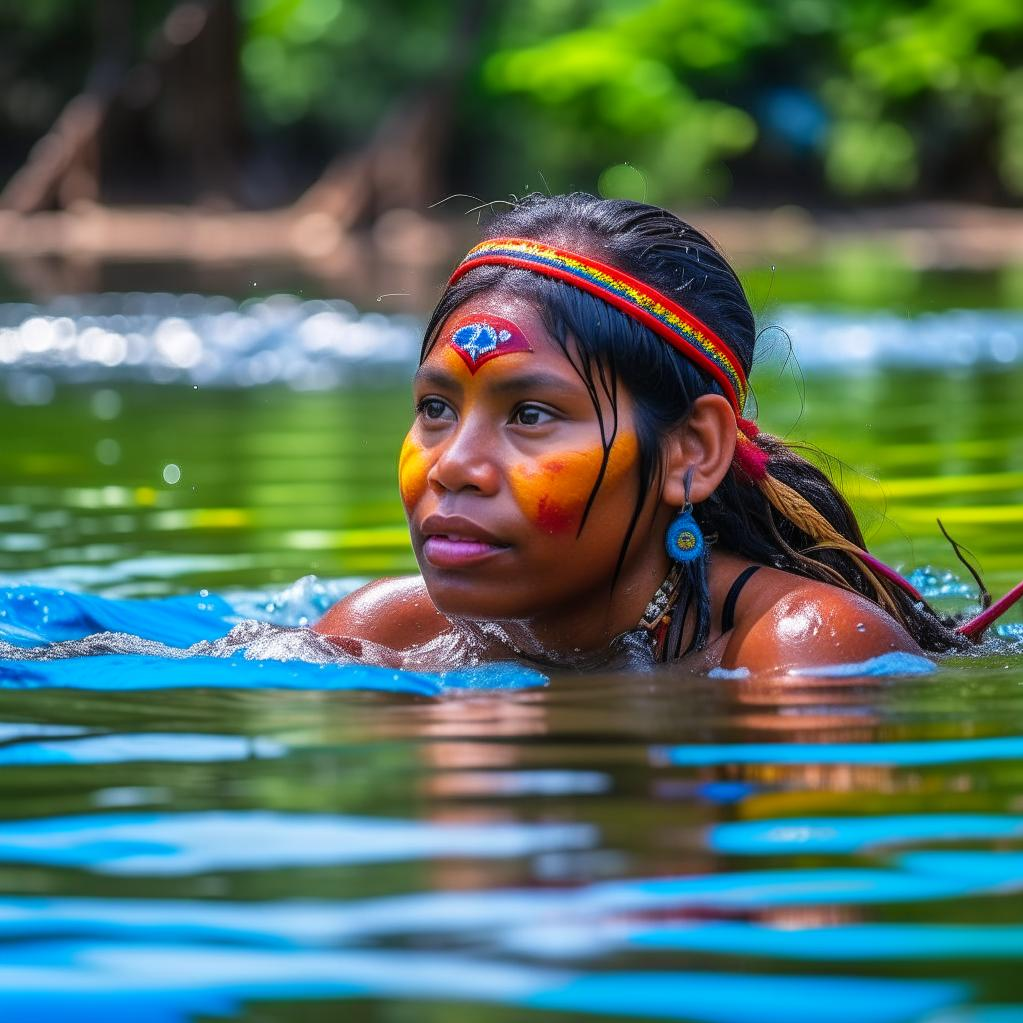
(60, 252)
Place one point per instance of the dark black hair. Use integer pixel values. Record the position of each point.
(609, 348)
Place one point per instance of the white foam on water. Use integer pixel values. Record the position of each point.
(316, 345)
(195, 339)
(949, 339)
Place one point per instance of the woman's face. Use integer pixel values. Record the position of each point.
(500, 463)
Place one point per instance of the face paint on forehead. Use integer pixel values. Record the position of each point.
(478, 339)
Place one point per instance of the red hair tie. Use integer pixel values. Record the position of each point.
(750, 459)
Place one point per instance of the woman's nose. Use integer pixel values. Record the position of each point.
(466, 462)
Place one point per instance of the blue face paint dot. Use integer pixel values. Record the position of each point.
(475, 339)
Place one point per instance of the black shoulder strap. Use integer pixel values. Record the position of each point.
(728, 609)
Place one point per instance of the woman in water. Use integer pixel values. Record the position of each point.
(582, 486)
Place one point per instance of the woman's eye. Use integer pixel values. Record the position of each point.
(531, 415)
(435, 409)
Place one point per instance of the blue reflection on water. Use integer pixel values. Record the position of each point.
(855, 834)
(841, 942)
(885, 754)
(81, 980)
(130, 672)
(182, 843)
(750, 998)
(896, 663)
(524, 919)
(1002, 868)
(112, 959)
(173, 747)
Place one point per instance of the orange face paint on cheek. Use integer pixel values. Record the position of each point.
(413, 465)
(553, 491)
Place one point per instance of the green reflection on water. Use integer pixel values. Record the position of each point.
(277, 484)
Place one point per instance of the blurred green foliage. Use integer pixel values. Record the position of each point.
(337, 63)
(668, 99)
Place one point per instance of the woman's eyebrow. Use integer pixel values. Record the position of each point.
(429, 375)
(530, 382)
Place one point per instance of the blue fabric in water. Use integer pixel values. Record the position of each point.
(32, 615)
(35, 616)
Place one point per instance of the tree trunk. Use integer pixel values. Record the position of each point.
(192, 60)
(400, 167)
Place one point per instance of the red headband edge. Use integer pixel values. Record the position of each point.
(625, 306)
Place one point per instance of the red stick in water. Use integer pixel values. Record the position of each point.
(974, 628)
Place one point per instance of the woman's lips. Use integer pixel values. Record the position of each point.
(456, 552)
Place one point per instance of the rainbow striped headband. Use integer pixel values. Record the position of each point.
(683, 331)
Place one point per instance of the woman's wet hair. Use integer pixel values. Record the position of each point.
(610, 349)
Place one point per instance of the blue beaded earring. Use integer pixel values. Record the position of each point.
(687, 548)
(684, 538)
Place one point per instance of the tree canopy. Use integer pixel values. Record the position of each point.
(668, 99)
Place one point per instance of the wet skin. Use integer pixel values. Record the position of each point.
(495, 475)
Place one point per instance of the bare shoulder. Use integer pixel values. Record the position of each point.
(795, 623)
(395, 613)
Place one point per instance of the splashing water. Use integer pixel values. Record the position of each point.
(317, 345)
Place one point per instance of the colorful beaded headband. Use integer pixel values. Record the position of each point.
(683, 331)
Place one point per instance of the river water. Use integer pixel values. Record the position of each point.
(265, 838)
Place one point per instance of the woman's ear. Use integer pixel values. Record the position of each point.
(705, 443)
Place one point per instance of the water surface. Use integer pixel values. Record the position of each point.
(274, 844)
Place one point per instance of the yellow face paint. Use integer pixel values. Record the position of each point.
(413, 465)
(554, 490)
(414, 461)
